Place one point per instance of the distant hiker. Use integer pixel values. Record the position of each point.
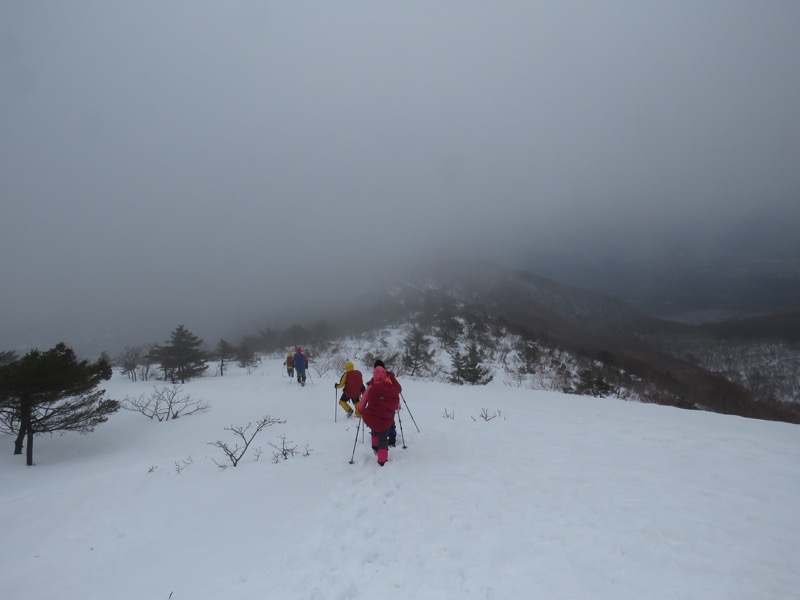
(352, 385)
(393, 379)
(289, 362)
(377, 407)
(300, 365)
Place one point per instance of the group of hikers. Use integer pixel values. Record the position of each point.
(297, 363)
(375, 402)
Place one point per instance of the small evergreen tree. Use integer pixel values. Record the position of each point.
(457, 368)
(417, 354)
(469, 368)
(182, 358)
(225, 352)
(593, 384)
(50, 391)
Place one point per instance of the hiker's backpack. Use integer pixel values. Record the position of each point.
(353, 384)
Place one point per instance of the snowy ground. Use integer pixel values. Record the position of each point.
(557, 497)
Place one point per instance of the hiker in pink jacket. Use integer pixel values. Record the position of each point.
(377, 407)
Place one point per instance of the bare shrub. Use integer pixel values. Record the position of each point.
(487, 416)
(182, 464)
(284, 451)
(165, 403)
(146, 362)
(129, 360)
(235, 453)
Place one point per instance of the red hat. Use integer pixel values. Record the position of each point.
(379, 374)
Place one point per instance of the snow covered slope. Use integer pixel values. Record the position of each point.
(503, 493)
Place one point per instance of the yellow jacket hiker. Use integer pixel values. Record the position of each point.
(351, 384)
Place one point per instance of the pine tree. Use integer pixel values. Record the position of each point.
(225, 352)
(593, 384)
(417, 354)
(182, 358)
(50, 391)
(472, 370)
(457, 368)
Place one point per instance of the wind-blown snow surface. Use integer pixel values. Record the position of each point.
(557, 497)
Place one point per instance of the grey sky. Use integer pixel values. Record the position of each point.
(204, 161)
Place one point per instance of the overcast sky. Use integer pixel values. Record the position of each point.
(194, 161)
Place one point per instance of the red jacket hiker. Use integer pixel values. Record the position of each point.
(389, 374)
(379, 402)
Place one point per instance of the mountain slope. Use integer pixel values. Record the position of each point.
(612, 336)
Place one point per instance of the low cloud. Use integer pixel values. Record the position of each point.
(221, 163)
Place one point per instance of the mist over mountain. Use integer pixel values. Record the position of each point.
(237, 166)
(748, 269)
(691, 289)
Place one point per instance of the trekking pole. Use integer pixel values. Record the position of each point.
(409, 413)
(335, 404)
(355, 442)
(402, 435)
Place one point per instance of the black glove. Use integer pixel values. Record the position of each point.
(335, 385)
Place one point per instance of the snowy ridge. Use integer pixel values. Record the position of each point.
(550, 369)
(550, 496)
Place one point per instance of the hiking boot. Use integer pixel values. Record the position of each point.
(381, 463)
(392, 442)
(349, 413)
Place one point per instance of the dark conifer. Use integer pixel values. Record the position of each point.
(50, 391)
(182, 358)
